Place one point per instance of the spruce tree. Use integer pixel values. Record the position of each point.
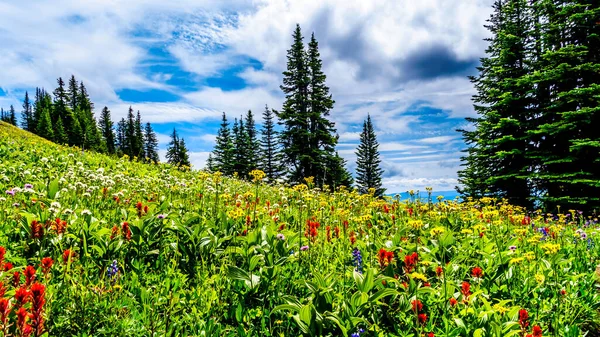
(131, 142)
(44, 126)
(496, 162)
(173, 149)
(12, 116)
(270, 155)
(336, 173)
(3, 116)
(69, 121)
(73, 93)
(106, 128)
(241, 145)
(150, 144)
(27, 115)
(223, 153)
(368, 163)
(139, 137)
(183, 156)
(121, 141)
(210, 163)
(253, 141)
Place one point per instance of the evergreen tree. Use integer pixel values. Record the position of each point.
(223, 154)
(131, 142)
(150, 144)
(173, 149)
(336, 174)
(44, 126)
(62, 111)
(121, 141)
(106, 127)
(496, 155)
(253, 142)
(27, 115)
(3, 116)
(210, 163)
(309, 137)
(12, 117)
(368, 169)
(139, 137)
(73, 93)
(241, 145)
(184, 159)
(270, 155)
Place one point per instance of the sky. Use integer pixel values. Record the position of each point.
(182, 63)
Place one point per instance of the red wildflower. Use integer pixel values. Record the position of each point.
(523, 317)
(386, 209)
(385, 257)
(114, 232)
(430, 334)
(126, 231)
(563, 292)
(22, 296)
(465, 289)
(422, 318)
(346, 224)
(537, 331)
(417, 306)
(16, 279)
(410, 212)
(312, 229)
(481, 234)
(477, 272)
(453, 301)
(336, 231)
(352, 237)
(146, 209)
(47, 263)
(22, 325)
(68, 255)
(328, 233)
(405, 285)
(7, 266)
(282, 226)
(410, 261)
(38, 293)
(439, 271)
(526, 220)
(59, 226)
(4, 311)
(2, 289)
(37, 230)
(139, 205)
(426, 284)
(29, 275)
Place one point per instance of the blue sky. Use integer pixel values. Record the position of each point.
(182, 63)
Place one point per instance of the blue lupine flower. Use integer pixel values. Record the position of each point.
(357, 334)
(357, 260)
(112, 271)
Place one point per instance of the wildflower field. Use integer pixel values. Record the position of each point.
(96, 246)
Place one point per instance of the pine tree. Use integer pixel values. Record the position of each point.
(368, 169)
(73, 93)
(295, 136)
(223, 153)
(270, 155)
(336, 173)
(106, 128)
(3, 115)
(27, 114)
(253, 141)
(173, 149)
(121, 141)
(12, 117)
(150, 144)
(131, 142)
(184, 159)
(44, 126)
(309, 137)
(241, 157)
(139, 137)
(85, 114)
(498, 145)
(62, 111)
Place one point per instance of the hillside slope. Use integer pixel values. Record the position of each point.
(94, 245)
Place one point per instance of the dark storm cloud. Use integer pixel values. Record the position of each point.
(435, 61)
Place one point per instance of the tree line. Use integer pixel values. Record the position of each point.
(67, 117)
(535, 139)
(304, 147)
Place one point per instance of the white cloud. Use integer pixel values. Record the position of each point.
(158, 112)
(234, 102)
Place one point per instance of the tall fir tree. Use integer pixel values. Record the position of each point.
(223, 153)
(210, 163)
(3, 116)
(495, 161)
(131, 142)
(73, 93)
(150, 144)
(241, 145)
(253, 141)
(270, 155)
(106, 128)
(308, 137)
(62, 111)
(44, 126)
(139, 137)
(27, 122)
(121, 141)
(184, 158)
(12, 116)
(173, 149)
(368, 163)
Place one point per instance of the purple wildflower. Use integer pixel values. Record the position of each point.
(280, 236)
(28, 186)
(303, 248)
(11, 192)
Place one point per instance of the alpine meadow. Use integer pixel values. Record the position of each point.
(288, 168)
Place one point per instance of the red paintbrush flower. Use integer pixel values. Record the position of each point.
(2, 289)
(16, 279)
(37, 230)
(477, 272)
(7, 266)
(22, 326)
(439, 271)
(29, 273)
(453, 301)
(410, 261)
(4, 311)
(422, 318)
(2, 254)
(523, 317)
(126, 231)
(22, 296)
(68, 255)
(47, 263)
(114, 232)
(417, 306)
(38, 293)
(328, 233)
(537, 331)
(465, 289)
(352, 237)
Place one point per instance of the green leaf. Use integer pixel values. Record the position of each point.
(52, 189)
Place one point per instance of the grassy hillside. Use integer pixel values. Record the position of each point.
(95, 246)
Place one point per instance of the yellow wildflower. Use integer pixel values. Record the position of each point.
(418, 276)
(437, 231)
(500, 309)
(539, 278)
(516, 260)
